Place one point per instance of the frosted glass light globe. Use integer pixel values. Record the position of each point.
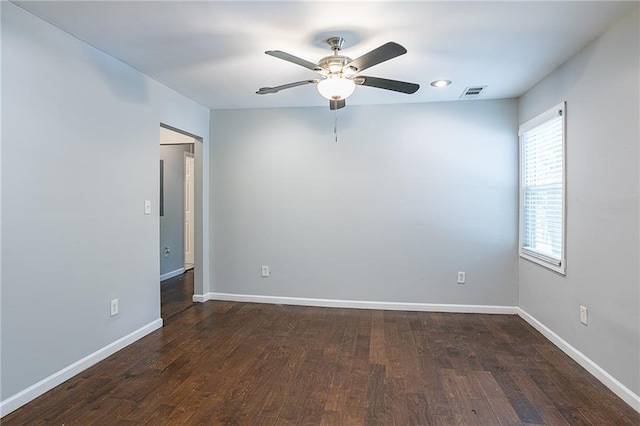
(336, 87)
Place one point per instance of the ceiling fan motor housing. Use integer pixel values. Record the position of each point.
(334, 63)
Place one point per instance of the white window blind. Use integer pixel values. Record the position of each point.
(543, 188)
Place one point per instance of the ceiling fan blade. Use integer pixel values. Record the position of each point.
(337, 104)
(294, 59)
(266, 90)
(383, 83)
(383, 53)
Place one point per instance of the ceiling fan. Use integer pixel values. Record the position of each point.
(339, 74)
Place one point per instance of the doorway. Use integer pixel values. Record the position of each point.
(177, 221)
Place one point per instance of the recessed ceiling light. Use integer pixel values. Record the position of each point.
(441, 83)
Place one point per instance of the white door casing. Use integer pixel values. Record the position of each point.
(189, 193)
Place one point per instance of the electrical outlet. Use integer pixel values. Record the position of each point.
(584, 319)
(114, 307)
(265, 271)
(147, 207)
(462, 277)
(166, 251)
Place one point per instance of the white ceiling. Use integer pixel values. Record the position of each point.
(213, 51)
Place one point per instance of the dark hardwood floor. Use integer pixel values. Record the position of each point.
(176, 295)
(252, 364)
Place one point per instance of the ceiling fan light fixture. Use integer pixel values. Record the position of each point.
(441, 83)
(340, 74)
(336, 87)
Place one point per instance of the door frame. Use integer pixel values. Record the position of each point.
(201, 225)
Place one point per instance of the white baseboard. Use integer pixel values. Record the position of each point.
(598, 372)
(357, 304)
(200, 298)
(32, 392)
(172, 274)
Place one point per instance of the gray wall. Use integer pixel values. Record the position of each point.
(600, 85)
(172, 223)
(408, 196)
(80, 154)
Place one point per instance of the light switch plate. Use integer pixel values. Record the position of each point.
(584, 318)
(114, 307)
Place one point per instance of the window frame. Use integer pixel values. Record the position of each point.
(525, 127)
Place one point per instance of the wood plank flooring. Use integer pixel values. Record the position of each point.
(251, 364)
(176, 295)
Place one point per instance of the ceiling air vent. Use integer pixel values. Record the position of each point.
(472, 92)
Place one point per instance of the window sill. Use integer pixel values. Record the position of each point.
(558, 269)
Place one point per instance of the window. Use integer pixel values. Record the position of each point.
(542, 189)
